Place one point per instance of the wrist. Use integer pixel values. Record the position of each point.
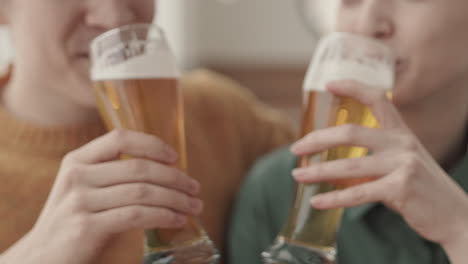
(456, 249)
(455, 246)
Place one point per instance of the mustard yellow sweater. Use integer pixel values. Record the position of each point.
(227, 130)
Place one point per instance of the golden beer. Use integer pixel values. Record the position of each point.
(136, 86)
(320, 226)
(309, 235)
(154, 107)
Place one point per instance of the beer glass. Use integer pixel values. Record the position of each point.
(135, 81)
(309, 235)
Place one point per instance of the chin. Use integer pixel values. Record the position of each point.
(85, 97)
(88, 100)
(401, 100)
(403, 94)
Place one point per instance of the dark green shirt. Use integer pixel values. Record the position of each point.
(369, 234)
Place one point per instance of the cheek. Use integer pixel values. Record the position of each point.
(144, 10)
(432, 67)
(344, 20)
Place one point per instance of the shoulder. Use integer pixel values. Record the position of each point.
(218, 100)
(270, 185)
(275, 166)
(262, 206)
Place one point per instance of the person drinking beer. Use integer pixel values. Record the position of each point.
(415, 207)
(65, 196)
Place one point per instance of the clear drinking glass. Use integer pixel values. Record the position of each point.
(309, 235)
(135, 80)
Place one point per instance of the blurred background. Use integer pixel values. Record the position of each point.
(265, 45)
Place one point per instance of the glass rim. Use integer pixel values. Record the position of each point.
(124, 28)
(387, 60)
(363, 39)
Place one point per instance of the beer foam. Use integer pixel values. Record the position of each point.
(375, 76)
(147, 66)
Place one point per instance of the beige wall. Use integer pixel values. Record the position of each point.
(5, 49)
(253, 32)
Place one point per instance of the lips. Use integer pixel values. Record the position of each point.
(400, 68)
(399, 65)
(83, 55)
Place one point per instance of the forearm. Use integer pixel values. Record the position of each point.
(457, 250)
(28, 251)
(18, 253)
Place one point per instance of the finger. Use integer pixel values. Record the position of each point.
(143, 171)
(374, 166)
(344, 135)
(112, 145)
(128, 218)
(360, 194)
(374, 97)
(142, 194)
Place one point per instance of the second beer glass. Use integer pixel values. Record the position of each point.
(309, 235)
(136, 85)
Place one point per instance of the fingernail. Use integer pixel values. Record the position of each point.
(299, 172)
(171, 153)
(196, 206)
(194, 187)
(316, 201)
(296, 146)
(180, 220)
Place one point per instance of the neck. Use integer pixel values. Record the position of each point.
(32, 102)
(441, 125)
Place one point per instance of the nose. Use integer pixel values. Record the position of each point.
(109, 14)
(374, 20)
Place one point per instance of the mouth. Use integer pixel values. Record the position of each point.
(82, 56)
(400, 67)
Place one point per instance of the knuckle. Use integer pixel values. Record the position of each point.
(139, 168)
(155, 141)
(317, 169)
(166, 218)
(78, 201)
(409, 143)
(350, 132)
(352, 165)
(141, 192)
(398, 204)
(169, 215)
(72, 174)
(404, 179)
(402, 186)
(133, 215)
(411, 164)
(398, 191)
(358, 194)
(69, 157)
(120, 136)
(181, 201)
(82, 225)
(118, 133)
(177, 179)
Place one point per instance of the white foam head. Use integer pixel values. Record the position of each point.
(375, 76)
(344, 56)
(156, 64)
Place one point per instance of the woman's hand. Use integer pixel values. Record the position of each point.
(407, 178)
(96, 196)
